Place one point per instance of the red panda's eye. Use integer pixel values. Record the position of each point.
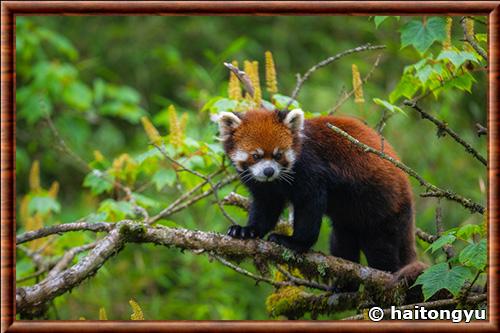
(256, 157)
(278, 156)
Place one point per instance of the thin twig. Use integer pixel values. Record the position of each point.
(471, 41)
(68, 257)
(243, 77)
(481, 130)
(443, 128)
(207, 178)
(301, 282)
(301, 79)
(426, 237)
(243, 271)
(65, 227)
(465, 202)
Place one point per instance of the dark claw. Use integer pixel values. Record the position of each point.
(234, 231)
(289, 242)
(275, 238)
(240, 232)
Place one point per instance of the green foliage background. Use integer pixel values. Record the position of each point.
(97, 76)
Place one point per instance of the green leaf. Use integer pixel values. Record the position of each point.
(116, 210)
(425, 73)
(99, 90)
(440, 242)
(59, 42)
(422, 35)
(467, 231)
(78, 96)
(196, 162)
(407, 87)
(463, 82)
(457, 58)
(98, 182)
(220, 104)
(33, 106)
(474, 255)
(379, 20)
(43, 204)
(281, 101)
(145, 201)
(164, 177)
(130, 112)
(440, 276)
(388, 106)
(123, 94)
(482, 37)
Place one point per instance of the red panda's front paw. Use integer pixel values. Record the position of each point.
(288, 242)
(240, 232)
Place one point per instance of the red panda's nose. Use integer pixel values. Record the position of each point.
(268, 172)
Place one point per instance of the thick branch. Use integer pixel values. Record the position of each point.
(29, 298)
(302, 79)
(467, 203)
(442, 127)
(312, 263)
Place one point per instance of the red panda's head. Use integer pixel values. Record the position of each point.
(262, 144)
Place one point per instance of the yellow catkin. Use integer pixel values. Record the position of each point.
(34, 223)
(447, 41)
(357, 85)
(23, 209)
(120, 162)
(102, 314)
(137, 311)
(98, 156)
(271, 78)
(234, 87)
(257, 95)
(248, 68)
(176, 135)
(34, 179)
(151, 131)
(54, 190)
(469, 30)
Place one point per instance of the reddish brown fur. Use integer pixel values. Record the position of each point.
(262, 129)
(368, 199)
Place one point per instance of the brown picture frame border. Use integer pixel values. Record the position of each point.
(11, 9)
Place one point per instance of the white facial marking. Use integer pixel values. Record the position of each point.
(239, 156)
(276, 150)
(290, 156)
(259, 151)
(258, 170)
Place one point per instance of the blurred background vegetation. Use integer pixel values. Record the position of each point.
(97, 76)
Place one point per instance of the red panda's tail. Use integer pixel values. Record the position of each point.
(410, 272)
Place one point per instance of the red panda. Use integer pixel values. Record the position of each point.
(283, 158)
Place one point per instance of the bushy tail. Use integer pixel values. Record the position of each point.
(410, 272)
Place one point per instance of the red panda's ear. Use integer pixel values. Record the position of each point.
(228, 122)
(294, 120)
